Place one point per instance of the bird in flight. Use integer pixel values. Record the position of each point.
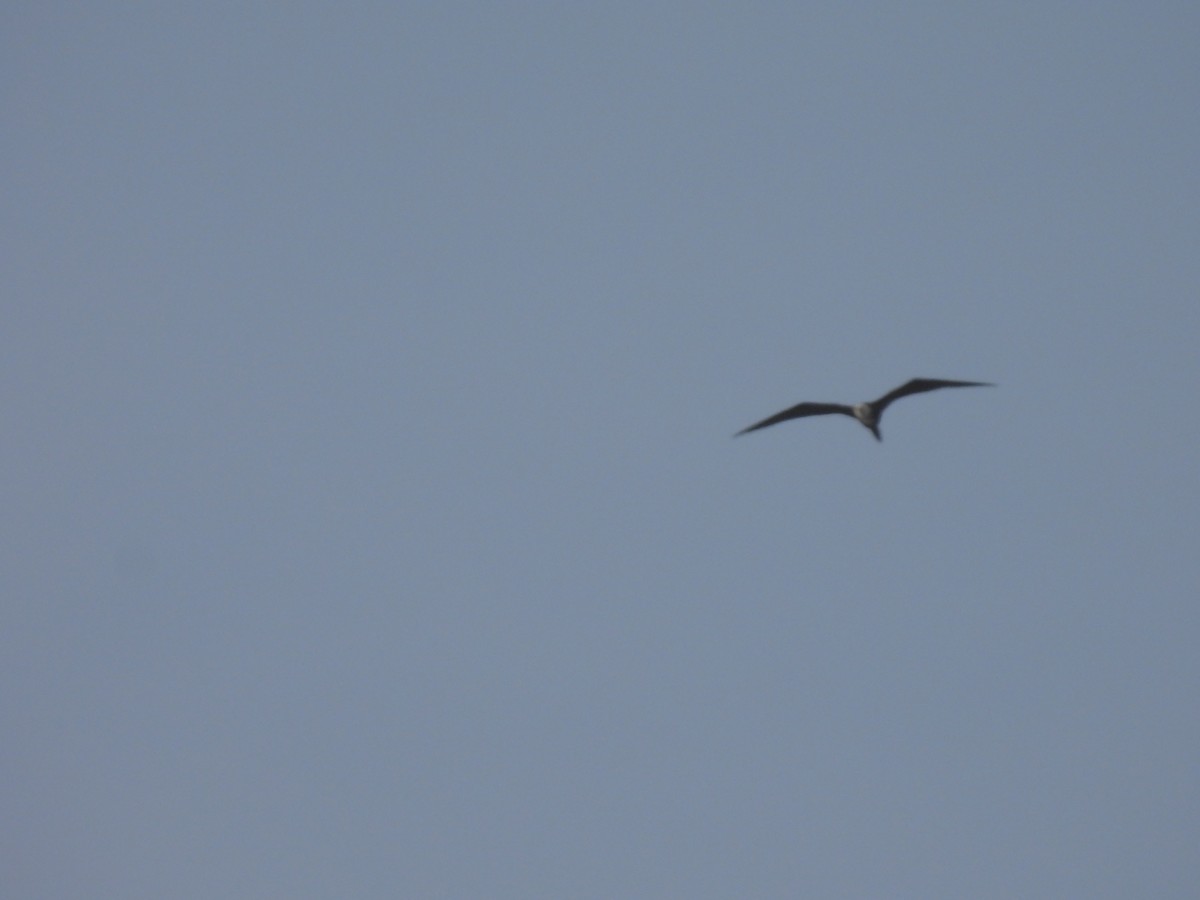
(868, 414)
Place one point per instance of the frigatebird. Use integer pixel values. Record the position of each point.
(868, 414)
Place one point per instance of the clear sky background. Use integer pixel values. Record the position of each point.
(372, 525)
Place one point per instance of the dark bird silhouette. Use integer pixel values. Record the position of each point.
(867, 413)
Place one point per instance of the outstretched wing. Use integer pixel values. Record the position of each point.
(799, 411)
(919, 386)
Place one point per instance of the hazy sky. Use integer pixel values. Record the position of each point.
(372, 525)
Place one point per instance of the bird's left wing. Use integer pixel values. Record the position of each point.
(798, 411)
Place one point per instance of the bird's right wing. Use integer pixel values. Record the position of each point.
(800, 410)
(919, 386)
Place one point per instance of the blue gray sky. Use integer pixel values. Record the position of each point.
(372, 525)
